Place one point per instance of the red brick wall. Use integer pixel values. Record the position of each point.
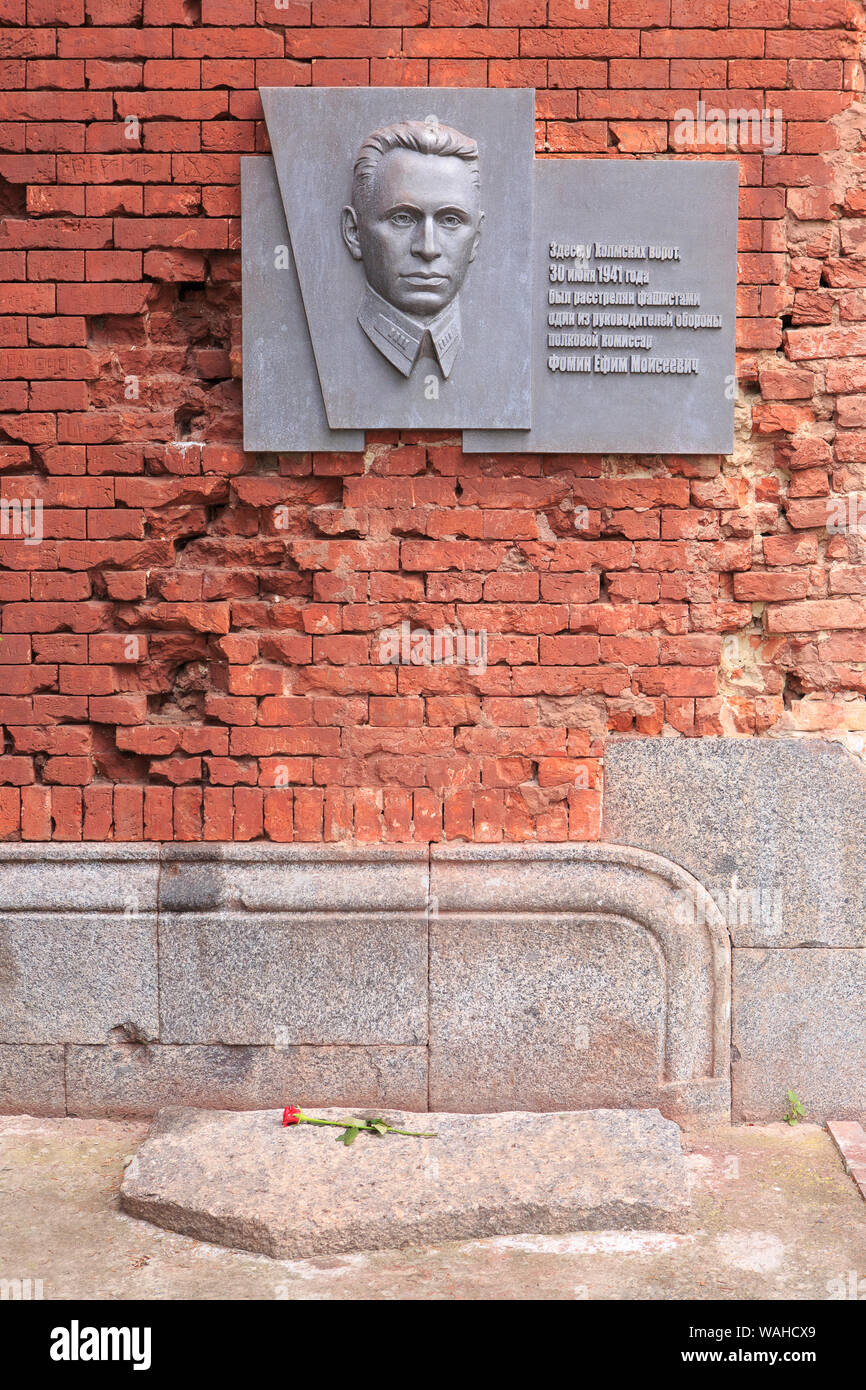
(708, 597)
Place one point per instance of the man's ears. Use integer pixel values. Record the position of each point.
(475, 242)
(349, 228)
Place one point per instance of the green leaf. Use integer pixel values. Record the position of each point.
(379, 1127)
(795, 1110)
(348, 1136)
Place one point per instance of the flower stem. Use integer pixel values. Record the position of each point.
(340, 1124)
(362, 1124)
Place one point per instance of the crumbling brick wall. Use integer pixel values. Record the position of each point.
(175, 664)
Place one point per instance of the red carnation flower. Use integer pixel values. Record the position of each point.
(291, 1115)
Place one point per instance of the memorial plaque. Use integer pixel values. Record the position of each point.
(409, 264)
(283, 407)
(410, 215)
(634, 310)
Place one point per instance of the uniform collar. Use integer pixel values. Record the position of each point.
(400, 338)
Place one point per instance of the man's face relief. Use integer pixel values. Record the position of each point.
(416, 229)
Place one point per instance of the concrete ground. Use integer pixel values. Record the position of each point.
(774, 1217)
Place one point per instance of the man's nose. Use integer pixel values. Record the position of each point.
(426, 243)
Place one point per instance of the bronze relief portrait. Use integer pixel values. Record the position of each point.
(415, 223)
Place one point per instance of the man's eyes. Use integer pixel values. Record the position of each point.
(451, 220)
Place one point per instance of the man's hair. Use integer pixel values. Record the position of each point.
(424, 137)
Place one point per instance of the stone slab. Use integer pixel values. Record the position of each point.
(283, 406)
(293, 978)
(690, 205)
(315, 134)
(786, 818)
(561, 975)
(283, 878)
(74, 977)
(850, 1139)
(138, 1080)
(799, 1021)
(541, 1010)
(32, 1080)
(798, 1236)
(242, 1180)
(79, 877)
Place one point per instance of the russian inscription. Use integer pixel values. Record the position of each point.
(633, 338)
(631, 319)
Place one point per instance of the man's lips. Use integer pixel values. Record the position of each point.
(416, 278)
